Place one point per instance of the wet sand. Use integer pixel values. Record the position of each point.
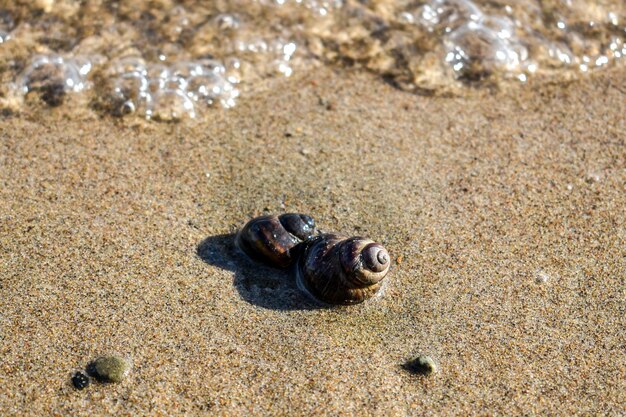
(504, 213)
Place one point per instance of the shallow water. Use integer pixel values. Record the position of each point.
(170, 60)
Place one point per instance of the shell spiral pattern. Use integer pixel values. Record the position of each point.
(273, 239)
(339, 270)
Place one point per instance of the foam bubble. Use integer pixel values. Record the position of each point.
(169, 92)
(225, 21)
(6, 26)
(127, 64)
(209, 52)
(446, 15)
(54, 76)
(172, 105)
(476, 50)
(4, 36)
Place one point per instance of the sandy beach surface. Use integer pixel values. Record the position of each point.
(504, 213)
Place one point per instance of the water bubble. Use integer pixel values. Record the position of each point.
(288, 50)
(158, 71)
(406, 18)
(232, 70)
(174, 82)
(255, 45)
(229, 96)
(211, 65)
(187, 68)
(142, 103)
(227, 22)
(130, 84)
(561, 53)
(429, 44)
(177, 21)
(82, 64)
(448, 14)
(172, 105)
(128, 64)
(6, 26)
(207, 87)
(169, 92)
(283, 68)
(475, 51)
(54, 77)
(127, 107)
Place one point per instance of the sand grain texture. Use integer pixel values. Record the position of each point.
(507, 210)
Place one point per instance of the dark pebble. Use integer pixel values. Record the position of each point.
(80, 380)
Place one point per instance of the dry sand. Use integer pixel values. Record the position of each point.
(504, 213)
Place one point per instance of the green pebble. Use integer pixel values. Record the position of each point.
(423, 365)
(110, 368)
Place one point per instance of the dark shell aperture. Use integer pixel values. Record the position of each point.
(272, 239)
(339, 270)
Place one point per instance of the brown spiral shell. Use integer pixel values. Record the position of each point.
(339, 270)
(272, 239)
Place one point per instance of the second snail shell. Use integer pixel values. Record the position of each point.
(273, 239)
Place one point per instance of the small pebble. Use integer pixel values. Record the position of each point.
(542, 277)
(423, 365)
(80, 380)
(109, 369)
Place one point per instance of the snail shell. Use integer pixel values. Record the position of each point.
(339, 270)
(272, 239)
